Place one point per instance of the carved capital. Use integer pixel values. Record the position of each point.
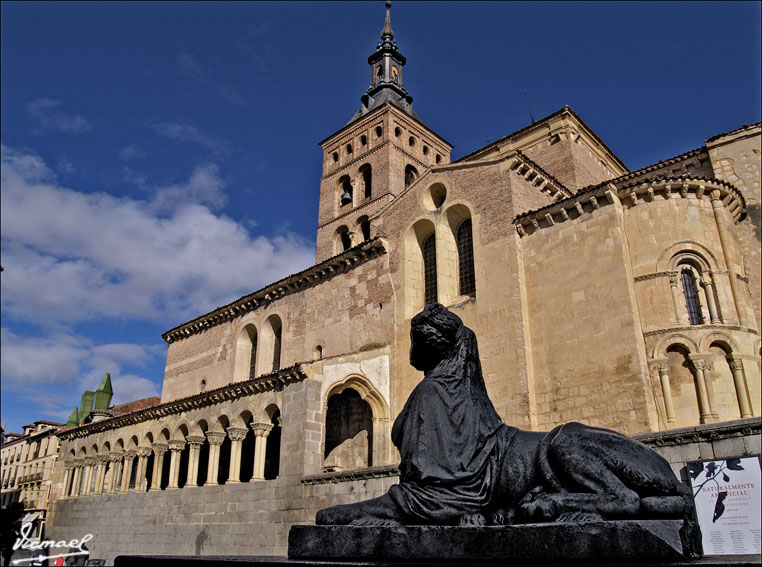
(195, 440)
(159, 448)
(735, 363)
(237, 433)
(215, 437)
(68, 465)
(261, 429)
(715, 195)
(130, 454)
(176, 445)
(699, 365)
(144, 451)
(674, 279)
(89, 461)
(663, 369)
(102, 459)
(115, 456)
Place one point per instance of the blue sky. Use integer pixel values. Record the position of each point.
(161, 159)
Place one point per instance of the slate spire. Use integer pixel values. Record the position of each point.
(386, 75)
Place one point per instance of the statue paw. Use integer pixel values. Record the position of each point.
(473, 521)
(542, 508)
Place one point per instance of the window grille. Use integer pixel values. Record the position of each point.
(430, 270)
(691, 296)
(466, 258)
(276, 348)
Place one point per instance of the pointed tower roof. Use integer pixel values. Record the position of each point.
(105, 385)
(386, 75)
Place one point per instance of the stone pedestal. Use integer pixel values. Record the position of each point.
(638, 541)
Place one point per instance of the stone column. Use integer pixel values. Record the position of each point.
(708, 285)
(77, 468)
(129, 457)
(705, 410)
(158, 465)
(666, 392)
(175, 448)
(236, 435)
(726, 240)
(68, 467)
(261, 431)
(215, 440)
(87, 475)
(195, 442)
(141, 484)
(739, 379)
(116, 466)
(674, 283)
(100, 473)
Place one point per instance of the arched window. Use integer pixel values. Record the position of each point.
(364, 223)
(202, 386)
(429, 250)
(410, 174)
(348, 432)
(367, 179)
(345, 240)
(345, 186)
(467, 277)
(277, 346)
(246, 354)
(689, 278)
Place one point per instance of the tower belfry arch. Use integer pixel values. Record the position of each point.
(384, 138)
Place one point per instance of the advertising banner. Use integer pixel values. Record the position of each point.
(727, 496)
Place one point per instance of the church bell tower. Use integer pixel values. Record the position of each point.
(380, 152)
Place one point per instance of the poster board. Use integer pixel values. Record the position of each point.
(728, 499)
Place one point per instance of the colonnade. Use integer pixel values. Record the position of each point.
(87, 475)
(700, 364)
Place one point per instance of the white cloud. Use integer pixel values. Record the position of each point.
(188, 133)
(50, 117)
(131, 151)
(52, 371)
(71, 256)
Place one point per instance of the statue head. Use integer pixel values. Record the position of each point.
(433, 336)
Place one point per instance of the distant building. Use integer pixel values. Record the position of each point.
(624, 299)
(28, 461)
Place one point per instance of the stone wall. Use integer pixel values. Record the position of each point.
(240, 519)
(254, 518)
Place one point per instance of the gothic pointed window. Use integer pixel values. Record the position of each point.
(690, 290)
(429, 249)
(466, 275)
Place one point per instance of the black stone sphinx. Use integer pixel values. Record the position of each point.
(462, 466)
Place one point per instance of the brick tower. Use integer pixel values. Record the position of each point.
(375, 156)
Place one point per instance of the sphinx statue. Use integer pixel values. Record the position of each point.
(461, 465)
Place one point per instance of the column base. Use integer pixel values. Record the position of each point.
(232, 481)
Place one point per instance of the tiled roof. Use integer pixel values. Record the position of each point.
(347, 260)
(135, 405)
(48, 422)
(266, 383)
(536, 123)
(744, 127)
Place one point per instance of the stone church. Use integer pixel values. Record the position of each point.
(624, 299)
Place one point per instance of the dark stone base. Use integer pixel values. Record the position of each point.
(247, 561)
(615, 540)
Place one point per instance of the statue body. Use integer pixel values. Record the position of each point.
(460, 465)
